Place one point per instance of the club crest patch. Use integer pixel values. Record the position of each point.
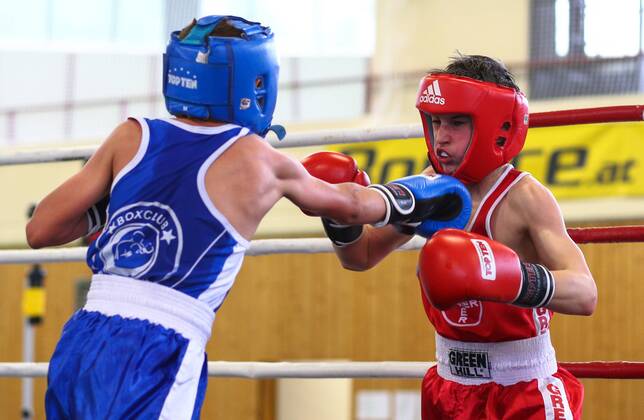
(141, 237)
(464, 314)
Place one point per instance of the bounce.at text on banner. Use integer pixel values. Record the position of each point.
(573, 161)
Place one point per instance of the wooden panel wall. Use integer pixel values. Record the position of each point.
(11, 280)
(305, 307)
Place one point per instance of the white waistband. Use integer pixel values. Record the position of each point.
(116, 295)
(505, 363)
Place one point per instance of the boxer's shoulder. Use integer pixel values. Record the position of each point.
(250, 152)
(123, 143)
(127, 132)
(530, 198)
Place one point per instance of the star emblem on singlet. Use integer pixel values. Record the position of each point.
(167, 236)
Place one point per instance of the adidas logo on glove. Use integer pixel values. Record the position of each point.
(432, 95)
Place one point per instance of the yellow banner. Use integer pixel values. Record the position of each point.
(572, 161)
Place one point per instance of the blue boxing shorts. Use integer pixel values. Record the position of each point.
(136, 350)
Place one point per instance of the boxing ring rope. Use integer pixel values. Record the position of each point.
(257, 247)
(609, 234)
(319, 138)
(609, 114)
(612, 234)
(389, 370)
(399, 370)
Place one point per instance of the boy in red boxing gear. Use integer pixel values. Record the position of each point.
(490, 291)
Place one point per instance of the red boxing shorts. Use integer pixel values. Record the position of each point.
(558, 396)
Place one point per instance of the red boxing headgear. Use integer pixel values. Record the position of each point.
(499, 121)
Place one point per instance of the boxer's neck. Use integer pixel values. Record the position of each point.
(480, 189)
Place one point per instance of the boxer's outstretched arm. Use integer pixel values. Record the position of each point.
(575, 289)
(346, 203)
(374, 244)
(61, 216)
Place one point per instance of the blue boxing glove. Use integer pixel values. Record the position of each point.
(452, 212)
(424, 204)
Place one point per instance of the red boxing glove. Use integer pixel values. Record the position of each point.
(335, 168)
(455, 266)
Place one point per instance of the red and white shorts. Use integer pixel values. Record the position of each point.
(558, 396)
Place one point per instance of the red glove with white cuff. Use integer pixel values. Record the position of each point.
(335, 168)
(455, 266)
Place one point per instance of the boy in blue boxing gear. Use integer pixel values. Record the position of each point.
(180, 215)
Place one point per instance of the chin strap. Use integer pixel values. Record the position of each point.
(279, 131)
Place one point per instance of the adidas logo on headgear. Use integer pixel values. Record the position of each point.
(432, 94)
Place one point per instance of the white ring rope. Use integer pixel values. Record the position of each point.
(319, 138)
(255, 370)
(257, 247)
(47, 155)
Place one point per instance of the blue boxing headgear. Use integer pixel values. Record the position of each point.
(222, 78)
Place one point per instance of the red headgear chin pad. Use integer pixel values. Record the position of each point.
(499, 121)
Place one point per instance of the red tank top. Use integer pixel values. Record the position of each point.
(479, 321)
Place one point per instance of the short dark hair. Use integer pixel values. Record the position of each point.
(479, 67)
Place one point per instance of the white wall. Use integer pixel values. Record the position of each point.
(412, 36)
(58, 97)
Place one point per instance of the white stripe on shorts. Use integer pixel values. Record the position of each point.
(554, 398)
(180, 402)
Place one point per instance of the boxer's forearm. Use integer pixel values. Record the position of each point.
(374, 245)
(41, 234)
(575, 293)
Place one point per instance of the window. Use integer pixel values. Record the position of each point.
(313, 27)
(585, 47)
(612, 29)
(77, 25)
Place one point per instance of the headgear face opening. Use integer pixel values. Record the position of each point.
(230, 79)
(499, 121)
